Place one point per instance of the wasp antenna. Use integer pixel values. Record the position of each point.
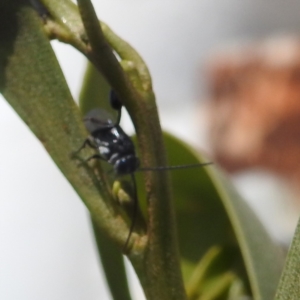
(167, 168)
(134, 212)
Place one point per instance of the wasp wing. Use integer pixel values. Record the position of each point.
(98, 119)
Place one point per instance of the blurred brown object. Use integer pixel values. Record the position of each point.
(254, 107)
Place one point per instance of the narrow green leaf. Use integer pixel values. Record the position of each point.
(32, 82)
(211, 274)
(289, 285)
(263, 258)
(201, 269)
(218, 287)
(113, 265)
(94, 91)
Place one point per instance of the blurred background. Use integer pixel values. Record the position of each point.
(227, 79)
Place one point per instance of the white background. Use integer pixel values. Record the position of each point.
(46, 245)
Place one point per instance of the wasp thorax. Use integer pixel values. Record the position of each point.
(126, 165)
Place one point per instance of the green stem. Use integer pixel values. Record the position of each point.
(128, 53)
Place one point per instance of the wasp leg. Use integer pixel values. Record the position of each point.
(95, 156)
(134, 214)
(84, 144)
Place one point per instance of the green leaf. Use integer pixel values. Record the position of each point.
(32, 82)
(211, 279)
(211, 213)
(113, 265)
(263, 258)
(94, 91)
(289, 286)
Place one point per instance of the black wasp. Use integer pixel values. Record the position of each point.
(115, 147)
(112, 143)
